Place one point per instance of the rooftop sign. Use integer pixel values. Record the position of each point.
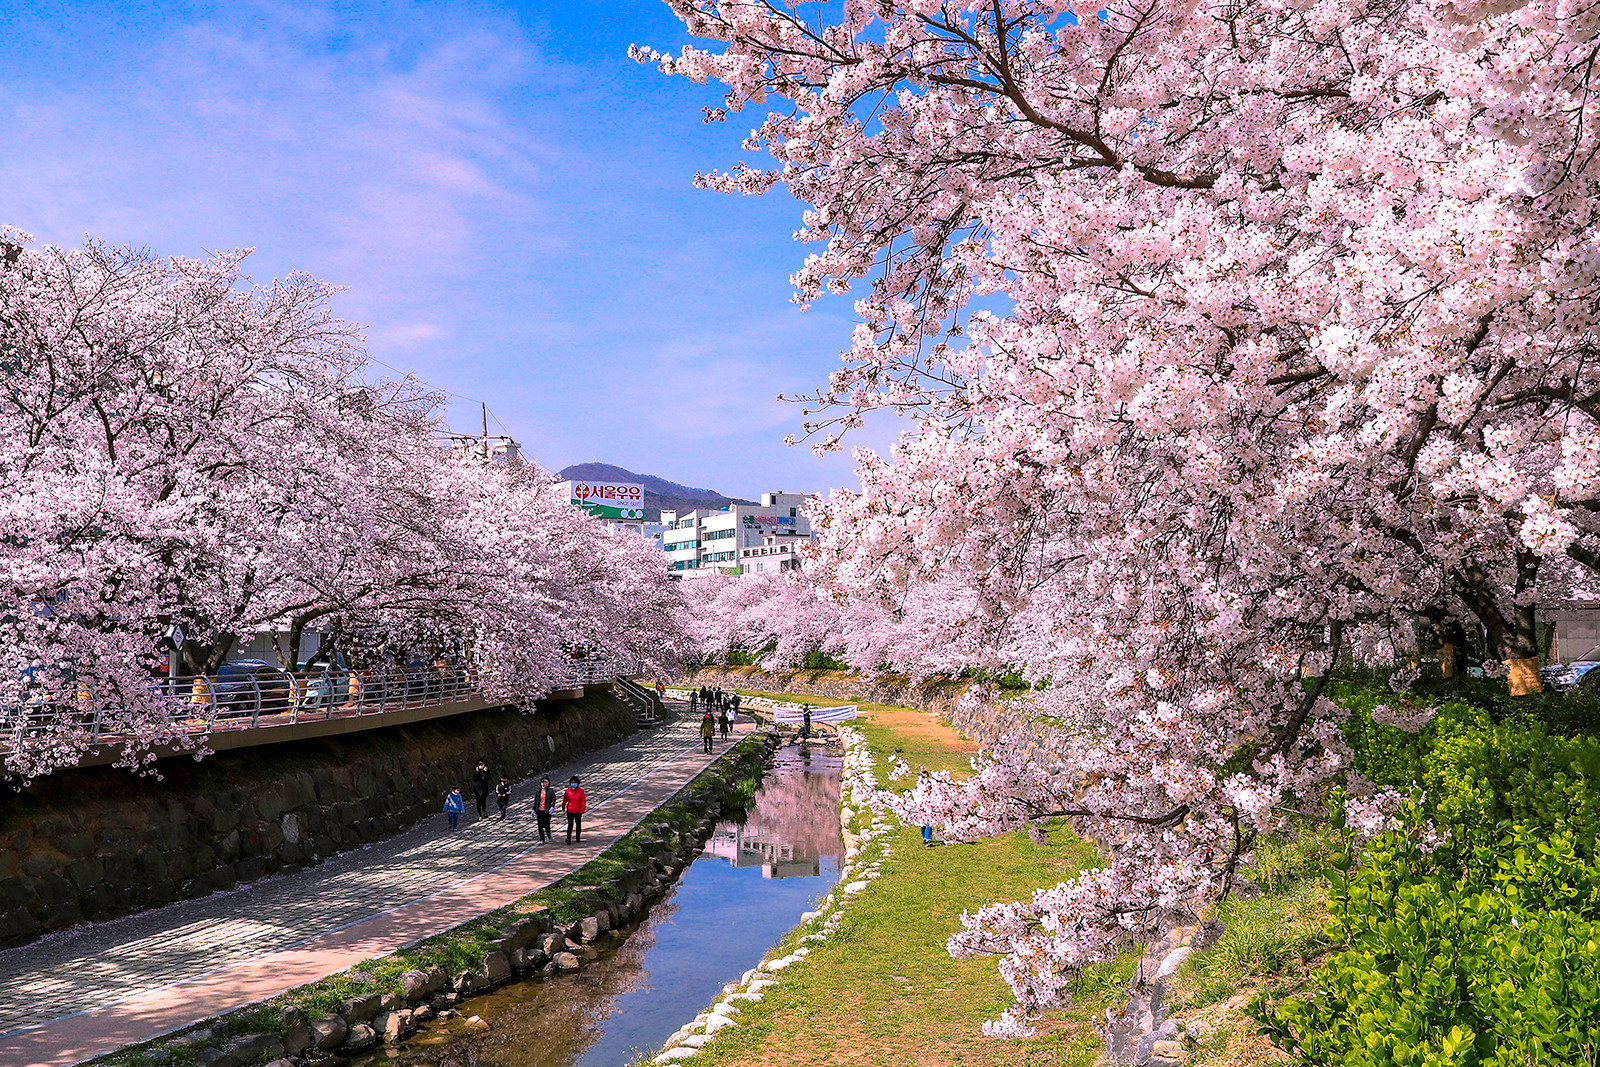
(609, 500)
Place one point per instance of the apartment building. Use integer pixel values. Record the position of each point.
(737, 539)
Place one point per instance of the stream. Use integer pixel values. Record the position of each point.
(744, 892)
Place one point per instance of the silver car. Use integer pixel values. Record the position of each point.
(1563, 676)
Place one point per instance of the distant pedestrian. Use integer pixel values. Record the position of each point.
(805, 720)
(718, 694)
(574, 803)
(736, 700)
(502, 795)
(924, 780)
(725, 723)
(708, 730)
(544, 802)
(480, 788)
(694, 700)
(454, 806)
(661, 690)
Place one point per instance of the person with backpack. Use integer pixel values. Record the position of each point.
(454, 806)
(724, 722)
(544, 802)
(574, 802)
(480, 788)
(708, 730)
(502, 795)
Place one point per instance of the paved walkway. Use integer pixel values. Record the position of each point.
(87, 991)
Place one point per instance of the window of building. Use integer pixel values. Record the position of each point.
(717, 535)
(675, 546)
(716, 557)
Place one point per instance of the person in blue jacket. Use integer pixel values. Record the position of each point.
(454, 806)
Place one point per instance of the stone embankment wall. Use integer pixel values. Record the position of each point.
(985, 721)
(94, 843)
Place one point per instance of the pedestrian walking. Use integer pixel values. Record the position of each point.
(661, 690)
(725, 723)
(805, 720)
(708, 730)
(454, 806)
(574, 803)
(736, 700)
(502, 795)
(544, 802)
(694, 700)
(480, 788)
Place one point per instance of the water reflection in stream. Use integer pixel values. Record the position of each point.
(738, 897)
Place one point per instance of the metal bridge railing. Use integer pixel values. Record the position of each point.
(271, 696)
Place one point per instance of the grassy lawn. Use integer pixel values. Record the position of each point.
(884, 990)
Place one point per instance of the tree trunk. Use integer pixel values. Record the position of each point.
(1519, 651)
(1452, 648)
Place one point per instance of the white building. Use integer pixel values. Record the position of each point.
(737, 539)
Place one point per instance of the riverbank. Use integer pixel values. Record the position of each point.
(385, 997)
(874, 982)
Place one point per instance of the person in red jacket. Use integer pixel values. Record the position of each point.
(574, 803)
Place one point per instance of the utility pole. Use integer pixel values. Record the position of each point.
(485, 429)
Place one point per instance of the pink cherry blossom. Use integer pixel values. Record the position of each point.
(177, 448)
(1232, 339)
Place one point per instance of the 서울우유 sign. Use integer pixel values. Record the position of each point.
(609, 500)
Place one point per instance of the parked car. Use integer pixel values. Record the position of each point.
(326, 680)
(247, 686)
(1570, 675)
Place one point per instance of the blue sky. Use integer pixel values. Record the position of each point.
(507, 197)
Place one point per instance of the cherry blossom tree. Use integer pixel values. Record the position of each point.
(1236, 337)
(179, 449)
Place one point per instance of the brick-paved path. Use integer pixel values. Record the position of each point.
(197, 950)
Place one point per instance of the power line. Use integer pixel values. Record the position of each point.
(438, 389)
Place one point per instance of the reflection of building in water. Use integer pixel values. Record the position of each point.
(754, 846)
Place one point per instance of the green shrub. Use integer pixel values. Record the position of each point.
(1501, 968)
(1472, 935)
(1391, 756)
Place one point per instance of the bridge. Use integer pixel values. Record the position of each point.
(268, 705)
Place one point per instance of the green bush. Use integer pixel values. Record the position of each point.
(1472, 935)
(821, 661)
(1501, 969)
(1573, 713)
(1391, 756)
